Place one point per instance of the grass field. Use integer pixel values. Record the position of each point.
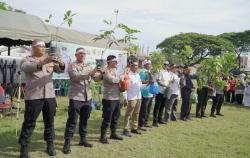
(220, 137)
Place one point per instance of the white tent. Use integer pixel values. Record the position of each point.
(21, 29)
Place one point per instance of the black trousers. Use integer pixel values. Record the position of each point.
(111, 114)
(202, 102)
(32, 111)
(159, 107)
(185, 106)
(77, 108)
(217, 103)
(239, 98)
(145, 111)
(230, 96)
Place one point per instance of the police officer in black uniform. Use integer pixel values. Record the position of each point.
(39, 95)
(79, 98)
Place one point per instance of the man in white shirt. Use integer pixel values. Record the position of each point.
(133, 100)
(172, 98)
(163, 81)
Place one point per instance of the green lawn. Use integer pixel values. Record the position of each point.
(220, 137)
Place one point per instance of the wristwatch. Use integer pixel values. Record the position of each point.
(39, 66)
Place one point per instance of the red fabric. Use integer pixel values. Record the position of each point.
(125, 84)
(231, 84)
(1, 90)
(5, 106)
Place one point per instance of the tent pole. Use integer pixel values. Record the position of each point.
(8, 50)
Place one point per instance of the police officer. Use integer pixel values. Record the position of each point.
(39, 95)
(79, 98)
(111, 100)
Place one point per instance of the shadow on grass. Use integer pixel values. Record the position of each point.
(9, 146)
(9, 142)
(241, 106)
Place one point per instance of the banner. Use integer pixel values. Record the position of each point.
(67, 52)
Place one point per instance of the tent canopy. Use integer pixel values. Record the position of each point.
(82, 38)
(21, 29)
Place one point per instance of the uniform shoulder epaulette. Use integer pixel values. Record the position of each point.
(27, 57)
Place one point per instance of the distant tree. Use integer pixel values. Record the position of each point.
(4, 6)
(240, 40)
(182, 57)
(228, 62)
(192, 48)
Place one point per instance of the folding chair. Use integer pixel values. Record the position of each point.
(5, 107)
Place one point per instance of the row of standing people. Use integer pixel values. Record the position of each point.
(40, 96)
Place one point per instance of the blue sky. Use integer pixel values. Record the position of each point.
(157, 19)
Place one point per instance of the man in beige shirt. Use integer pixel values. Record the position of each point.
(39, 95)
(79, 98)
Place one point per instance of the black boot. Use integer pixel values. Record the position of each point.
(219, 114)
(50, 148)
(212, 115)
(155, 124)
(103, 138)
(66, 146)
(24, 151)
(127, 133)
(161, 122)
(114, 135)
(135, 131)
(84, 142)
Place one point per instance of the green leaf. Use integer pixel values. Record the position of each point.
(73, 14)
(107, 22)
(70, 22)
(68, 12)
(192, 48)
(110, 34)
